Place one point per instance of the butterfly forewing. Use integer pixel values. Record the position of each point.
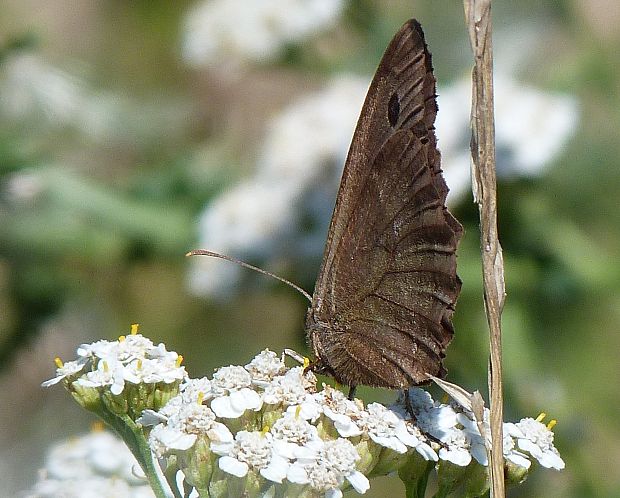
(382, 305)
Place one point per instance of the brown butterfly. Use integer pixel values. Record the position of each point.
(383, 302)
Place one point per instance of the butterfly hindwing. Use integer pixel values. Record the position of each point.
(382, 306)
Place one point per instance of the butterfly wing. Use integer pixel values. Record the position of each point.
(383, 301)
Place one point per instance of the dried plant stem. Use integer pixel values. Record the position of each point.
(478, 17)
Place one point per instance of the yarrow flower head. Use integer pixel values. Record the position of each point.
(131, 367)
(266, 423)
(535, 438)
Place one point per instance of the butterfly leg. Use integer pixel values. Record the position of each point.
(352, 390)
(409, 406)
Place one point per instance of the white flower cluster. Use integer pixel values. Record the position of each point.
(132, 359)
(266, 423)
(91, 466)
(457, 431)
(230, 32)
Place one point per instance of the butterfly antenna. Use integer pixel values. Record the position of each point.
(205, 252)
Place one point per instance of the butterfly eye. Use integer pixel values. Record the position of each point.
(393, 109)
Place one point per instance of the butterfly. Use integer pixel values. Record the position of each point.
(383, 302)
(384, 298)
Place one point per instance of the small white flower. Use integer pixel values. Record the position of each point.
(180, 424)
(151, 418)
(535, 438)
(160, 352)
(326, 471)
(236, 403)
(386, 428)
(164, 438)
(107, 374)
(294, 437)
(512, 454)
(437, 421)
(132, 347)
(191, 389)
(472, 433)
(67, 369)
(294, 429)
(230, 378)
(309, 409)
(193, 418)
(456, 449)
(168, 372)
(288, 389)
(419, 442)
(142, 371)
(343, 412)
(251, 450)
(233, 395)
(265, 366)
(420, 400)
(101, 349)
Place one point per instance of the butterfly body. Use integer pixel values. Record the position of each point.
(382, 306)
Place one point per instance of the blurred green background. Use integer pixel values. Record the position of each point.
(111, 145)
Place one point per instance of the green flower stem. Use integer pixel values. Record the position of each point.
(414, 475)
(170, 475)
(134, 438)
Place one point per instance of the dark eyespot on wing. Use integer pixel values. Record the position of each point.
(393, 109)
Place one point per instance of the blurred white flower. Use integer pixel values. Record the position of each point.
(23, 186)
(531, 127)
(300, 164)
(31, 88)
(295, 181)
(231, 32)
(29, 84)
(91, 466)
